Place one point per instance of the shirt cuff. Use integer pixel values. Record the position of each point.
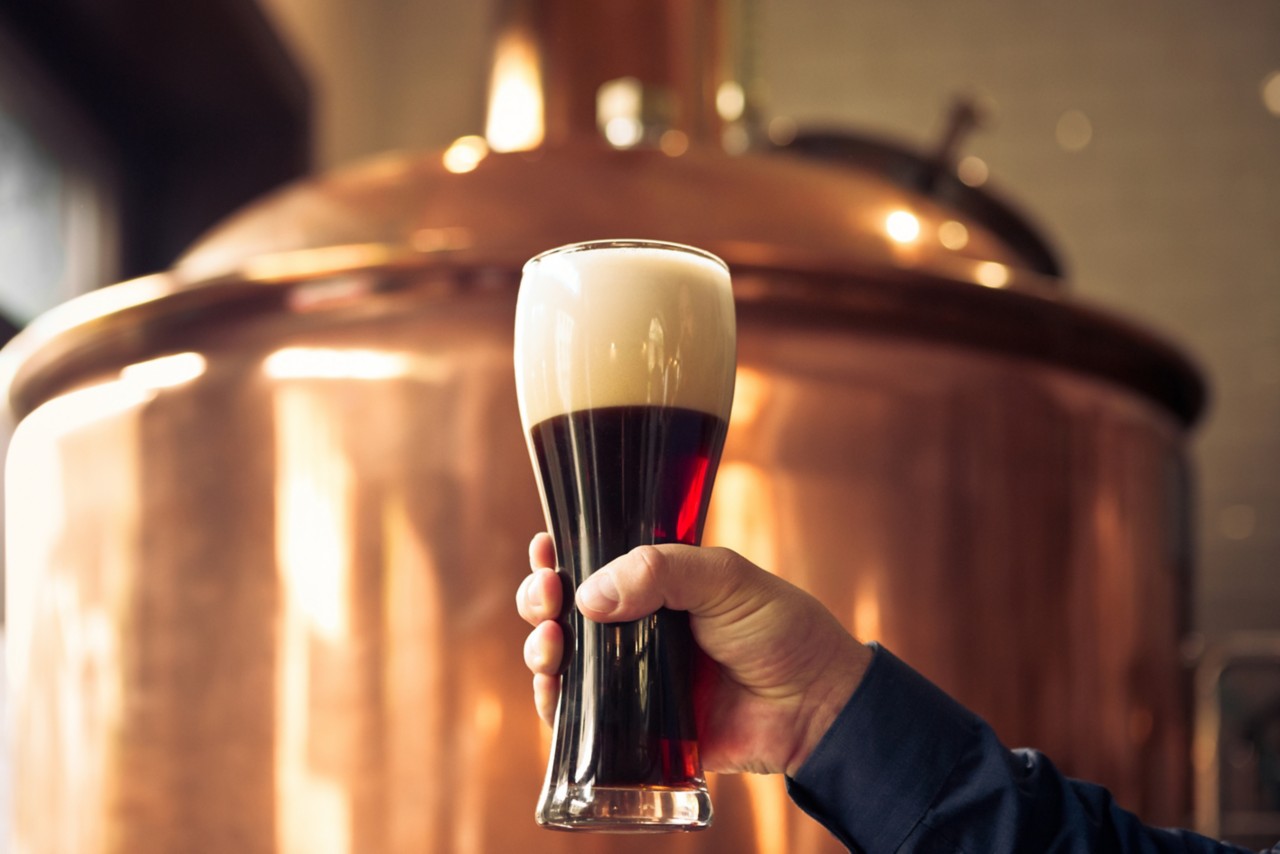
(880, 766)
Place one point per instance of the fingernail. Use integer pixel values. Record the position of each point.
(599, 593)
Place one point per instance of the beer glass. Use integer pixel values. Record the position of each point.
(625, 355)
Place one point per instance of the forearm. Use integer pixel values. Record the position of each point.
(906, 769)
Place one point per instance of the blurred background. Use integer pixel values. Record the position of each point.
(1140, 138)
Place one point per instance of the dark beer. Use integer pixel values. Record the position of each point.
(625, 358)
(617, 478)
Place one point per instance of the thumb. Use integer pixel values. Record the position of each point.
(706, 582)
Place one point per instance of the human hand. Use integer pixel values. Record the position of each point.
(776, 669)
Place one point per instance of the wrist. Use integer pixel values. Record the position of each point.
(829, 696)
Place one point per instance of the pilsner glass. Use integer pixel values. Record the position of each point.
(625, 355)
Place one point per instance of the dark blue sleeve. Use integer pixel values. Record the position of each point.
(905, 768)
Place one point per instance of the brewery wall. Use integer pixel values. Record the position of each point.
(1141, 137)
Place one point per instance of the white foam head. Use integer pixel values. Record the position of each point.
(624, 323)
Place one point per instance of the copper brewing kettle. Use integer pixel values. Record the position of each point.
(268, 509)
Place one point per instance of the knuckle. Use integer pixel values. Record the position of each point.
(649, 574)
(723, 559)
(652, 563)
(732, 585)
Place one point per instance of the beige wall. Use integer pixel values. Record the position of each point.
(388, 74)
(1169, 215)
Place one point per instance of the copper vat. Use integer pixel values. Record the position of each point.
(267, 511)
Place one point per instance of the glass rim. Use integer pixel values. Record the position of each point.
(628, 243)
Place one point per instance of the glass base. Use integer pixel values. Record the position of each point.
(626, 809)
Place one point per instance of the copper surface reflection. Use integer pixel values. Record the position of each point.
(866, 608)
(415, 672)
(991, 274)
(350, 363)
(465, 154)
(743, 514)
(164, 371)
(67, 667)
(314, 505)
(902, 226)
(480, 747)
(770, 812)
(317, 261)
(750, 396)
(514, 121)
